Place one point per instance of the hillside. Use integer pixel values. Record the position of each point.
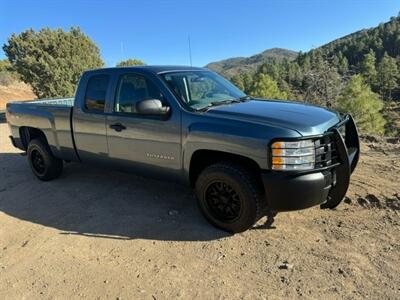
(15, 91)
(383, 38)
(231, 66)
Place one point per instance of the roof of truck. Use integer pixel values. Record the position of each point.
(157, 69)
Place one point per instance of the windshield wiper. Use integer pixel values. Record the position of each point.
(244, 98)
(224, 102)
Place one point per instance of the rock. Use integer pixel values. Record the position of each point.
(370, 138)
(173, 212)
(347, 200)
(394, 140)
(284, 280)
(285, 266)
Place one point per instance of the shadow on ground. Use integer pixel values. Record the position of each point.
(2, 117)
(102, 203)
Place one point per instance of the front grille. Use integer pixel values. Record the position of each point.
(325, 152)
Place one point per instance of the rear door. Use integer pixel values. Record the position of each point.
(150, 145)
(89, 119)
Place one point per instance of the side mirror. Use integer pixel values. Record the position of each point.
(151, 107)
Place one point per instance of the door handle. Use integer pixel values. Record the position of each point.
(117, 127)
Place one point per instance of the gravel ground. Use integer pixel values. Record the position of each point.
(101, 234)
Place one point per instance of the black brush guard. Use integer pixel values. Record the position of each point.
(348, 150)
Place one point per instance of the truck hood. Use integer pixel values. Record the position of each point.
(305, 119)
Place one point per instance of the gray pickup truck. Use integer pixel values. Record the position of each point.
(245, 158)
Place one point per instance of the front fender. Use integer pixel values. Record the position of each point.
(247, 140)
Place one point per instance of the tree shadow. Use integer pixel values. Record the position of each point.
(101, 203)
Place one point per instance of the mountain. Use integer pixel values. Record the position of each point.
(231, 66)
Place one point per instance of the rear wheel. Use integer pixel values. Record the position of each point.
(230, 197)
(42, 162)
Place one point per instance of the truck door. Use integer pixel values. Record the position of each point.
(148, 144)
(89, 120)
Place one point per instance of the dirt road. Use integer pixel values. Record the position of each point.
(108, 235)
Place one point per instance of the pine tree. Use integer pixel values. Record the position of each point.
(365, 105)
(265, 87)
(388, 74)
(368, 69)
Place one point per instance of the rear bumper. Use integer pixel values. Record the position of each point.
(286, 191)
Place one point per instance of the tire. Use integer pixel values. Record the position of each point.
(230, 197)
(42, 162)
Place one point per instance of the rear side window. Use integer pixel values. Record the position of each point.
(96, 90)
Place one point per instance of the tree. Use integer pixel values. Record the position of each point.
(7, 75)
(322, 83)
(365, 105)
(5, 65)
(388, 74)
(130, 62)
(51, 61)
(368, 69)
(247, 82)
(265, 87)
(237, 80)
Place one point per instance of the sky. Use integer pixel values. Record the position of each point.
(157, 31)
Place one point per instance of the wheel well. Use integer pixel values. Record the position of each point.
(29, 133)
(204, 158)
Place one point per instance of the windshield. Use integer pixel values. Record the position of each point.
(201, 89)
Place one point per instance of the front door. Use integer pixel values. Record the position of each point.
(150, 145)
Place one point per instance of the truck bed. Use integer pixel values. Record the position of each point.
(50, 116)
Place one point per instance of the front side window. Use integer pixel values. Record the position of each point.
(132, 89)
(95, 97)
(199, 89)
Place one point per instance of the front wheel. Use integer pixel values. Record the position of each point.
(42, 162)
(230, 197)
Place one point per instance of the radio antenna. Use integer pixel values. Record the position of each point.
(190, 51)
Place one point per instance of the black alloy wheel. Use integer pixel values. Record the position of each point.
(223, 201)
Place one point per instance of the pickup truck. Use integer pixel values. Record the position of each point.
(245, 158)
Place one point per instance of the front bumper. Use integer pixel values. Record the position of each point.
(286, 191)
(290, 192)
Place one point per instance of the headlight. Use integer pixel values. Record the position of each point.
(298, 155)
